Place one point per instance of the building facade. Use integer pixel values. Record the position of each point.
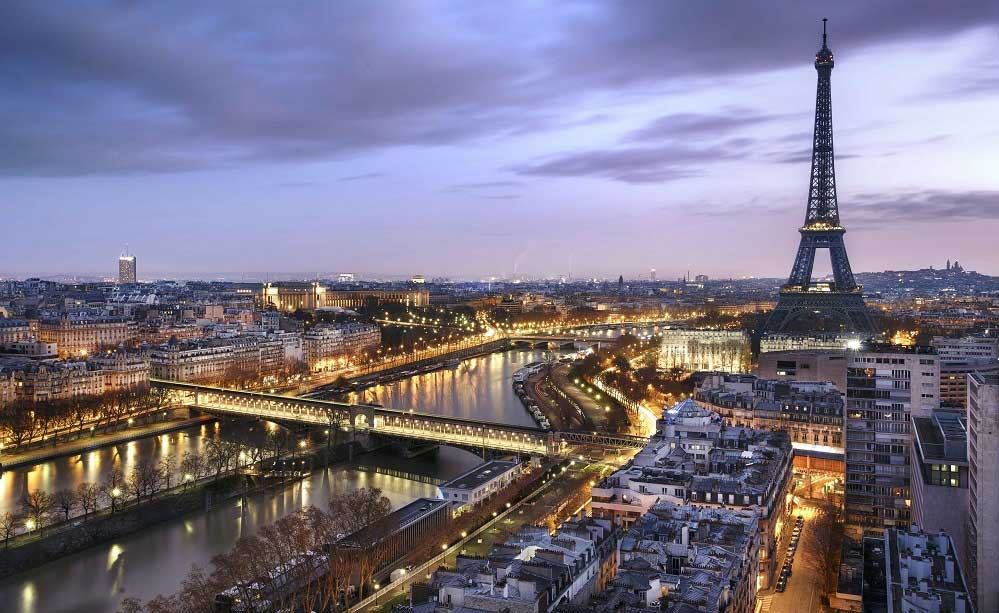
(715, 350)
(885, 389)
(328, 347)
(939, 482)
(82, 335)
(210, 360)
(983, 490)
(126, 269)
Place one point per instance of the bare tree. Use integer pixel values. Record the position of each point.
(87, 495)
(192, 466)
(66, 501)
(361, 519)
(113, 488)
(9, 523)
(826, 531)
(37, 505)
(167, 467)
(217, 456)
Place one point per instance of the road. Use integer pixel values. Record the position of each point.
(805, 586)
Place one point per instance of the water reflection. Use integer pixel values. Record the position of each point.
(93, 466)
(479, 388)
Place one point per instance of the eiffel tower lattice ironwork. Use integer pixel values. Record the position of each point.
(840, 300)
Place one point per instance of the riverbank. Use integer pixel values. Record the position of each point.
(31, 457)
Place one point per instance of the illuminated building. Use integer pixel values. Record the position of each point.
(126, 269)
(290, 297)
(80, 334)
(327, 347)
(714, 350)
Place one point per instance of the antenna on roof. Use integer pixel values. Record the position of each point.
(824, 20)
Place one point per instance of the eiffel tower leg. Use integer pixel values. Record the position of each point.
(801, 272)
(841, 264)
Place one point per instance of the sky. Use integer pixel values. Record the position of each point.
(475, 139)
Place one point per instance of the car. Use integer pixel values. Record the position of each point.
(781, 585)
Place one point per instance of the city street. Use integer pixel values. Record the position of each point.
(805, 585)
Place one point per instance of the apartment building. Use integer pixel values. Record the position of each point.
(210, 360)
(886, 387)
(328, 346)
(80, 334)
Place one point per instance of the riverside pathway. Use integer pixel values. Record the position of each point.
(89, 443)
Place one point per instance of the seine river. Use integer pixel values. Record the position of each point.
(156, 560)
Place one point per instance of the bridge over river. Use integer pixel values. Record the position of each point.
(365, 418)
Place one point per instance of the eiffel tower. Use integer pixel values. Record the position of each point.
(804, 305)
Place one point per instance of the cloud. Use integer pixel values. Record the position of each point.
(362, 177)
(123, 88)
(937, 206)
(478, 185)
(699, 125)
(631, 164)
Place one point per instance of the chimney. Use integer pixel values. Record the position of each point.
(685, 535)
(905, 575)
(960, 606)
(949, 569)
(943, 543)
(924, 586)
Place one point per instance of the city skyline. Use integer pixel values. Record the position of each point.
(606, 142)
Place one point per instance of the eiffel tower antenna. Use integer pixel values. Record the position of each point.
(841, 299)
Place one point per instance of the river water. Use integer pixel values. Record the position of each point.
(156, 560)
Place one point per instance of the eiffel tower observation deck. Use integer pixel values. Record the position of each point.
(804, 305)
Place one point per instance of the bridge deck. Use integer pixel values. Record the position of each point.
(392, 422)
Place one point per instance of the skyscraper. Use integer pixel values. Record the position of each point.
(126, 268)
(801, 300)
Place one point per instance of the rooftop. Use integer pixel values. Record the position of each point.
(480, 475)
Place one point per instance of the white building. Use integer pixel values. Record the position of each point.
(478, 484)
(716, 350)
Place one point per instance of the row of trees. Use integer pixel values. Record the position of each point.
(25, 421)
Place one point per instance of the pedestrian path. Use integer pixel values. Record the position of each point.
(82, 445)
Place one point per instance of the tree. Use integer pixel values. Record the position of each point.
(65, 500)
(9, 523)
(826, 541)
(192, 467)
(113, 488)
(168, 466)
(87, 495)
(361, 517)
(36, 507)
